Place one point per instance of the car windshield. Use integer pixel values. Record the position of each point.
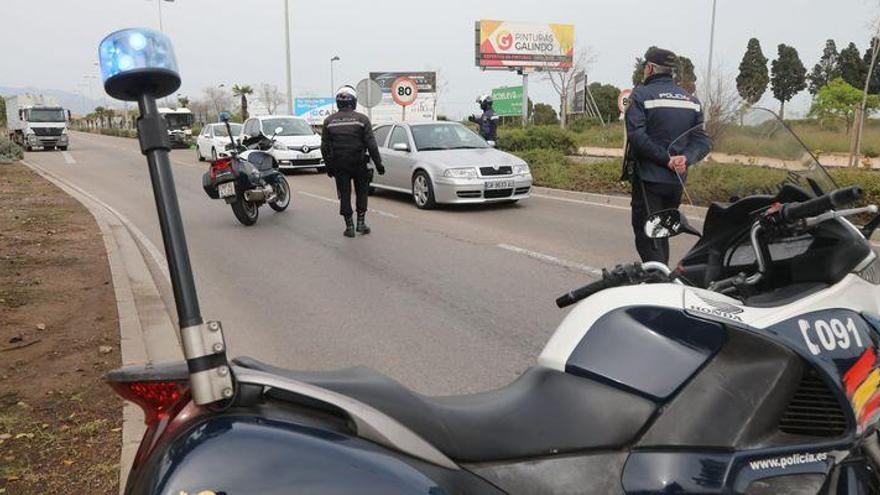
(220, 130)
(178, 121)
(769, 152)
(46, 115)
(446, 137)
(289, 127)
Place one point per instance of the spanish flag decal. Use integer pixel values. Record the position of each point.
(862, 382)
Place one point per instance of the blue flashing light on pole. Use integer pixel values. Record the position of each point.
(138, 61)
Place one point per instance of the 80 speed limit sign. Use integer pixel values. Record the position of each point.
(404, 91)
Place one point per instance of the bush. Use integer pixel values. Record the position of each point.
(534, 138)
(9, 151)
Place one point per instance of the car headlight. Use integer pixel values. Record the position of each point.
(522, 169)
(278, 146)
(461, 173)
(30, 132)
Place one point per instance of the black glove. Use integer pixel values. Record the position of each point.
(380, 168)
(471, 118)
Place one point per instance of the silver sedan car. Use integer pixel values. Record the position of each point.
(445, 162)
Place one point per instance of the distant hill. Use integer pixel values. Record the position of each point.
(74, 102)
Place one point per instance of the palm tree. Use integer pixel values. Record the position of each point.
(183, 101)
(243, 92)
(99, 114)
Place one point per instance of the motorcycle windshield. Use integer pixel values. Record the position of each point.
(760, 153)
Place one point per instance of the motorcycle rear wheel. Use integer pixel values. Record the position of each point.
(246, 212)
(282, 198)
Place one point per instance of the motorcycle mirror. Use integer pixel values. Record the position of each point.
(668, 223)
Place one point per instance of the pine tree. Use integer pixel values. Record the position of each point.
(788, 76)
(826, 70)
(751, 83)
(852, 68)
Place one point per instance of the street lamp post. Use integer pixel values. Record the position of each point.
(287, 52)
(711, 47)
(335, 58)
(159, 7)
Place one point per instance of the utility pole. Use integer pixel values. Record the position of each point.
(711, 48)
(287, 51)
(335, 58)
(857, 149)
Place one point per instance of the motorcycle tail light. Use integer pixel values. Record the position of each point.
(159, 400)
(220, 166)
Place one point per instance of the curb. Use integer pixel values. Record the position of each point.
(147, 332)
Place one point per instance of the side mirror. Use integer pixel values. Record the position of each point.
(668, 223)
(400, 147)
(224, 116)
(491, 144)
(278, 130)
(245, 137)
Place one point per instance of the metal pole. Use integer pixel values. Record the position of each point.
(171, 225)
(287, 51)
(332, 85)
(525, 98)
(711, 47)
(159, 3)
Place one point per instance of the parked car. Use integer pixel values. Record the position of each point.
(214, 139)
(445, 162)
(297, 146)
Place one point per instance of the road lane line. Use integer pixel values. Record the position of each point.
(151, 248)
(692, 218)
(553, 260)
(68, 158)
(336, 202)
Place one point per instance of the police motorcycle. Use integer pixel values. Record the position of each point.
(751, 368)
(247, 178)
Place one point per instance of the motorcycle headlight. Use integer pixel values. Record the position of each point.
(461, 173)
(278, 146)
(521, 169)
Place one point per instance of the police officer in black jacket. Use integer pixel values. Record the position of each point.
(345, 142)
(659, 112)
(488, 121)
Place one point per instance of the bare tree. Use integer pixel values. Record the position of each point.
(562, 80)
(722, 104)
(270, 96)
(218, 99)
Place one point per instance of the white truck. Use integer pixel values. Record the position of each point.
(180, 121)
(37, 121)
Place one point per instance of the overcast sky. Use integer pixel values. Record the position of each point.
(52, 43)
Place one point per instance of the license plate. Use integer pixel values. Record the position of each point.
(226, 189)
(499, 184)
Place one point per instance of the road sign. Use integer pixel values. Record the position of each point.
(369, 93)
(623, 100)
(404, 91)
(507, 101)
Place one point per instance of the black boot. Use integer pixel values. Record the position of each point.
(349, 227)
(362, 227)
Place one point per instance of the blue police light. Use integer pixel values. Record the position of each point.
(138, 61)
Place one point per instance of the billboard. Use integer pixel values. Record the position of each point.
(508, 101)
(423, 110)
(579, 95)
(513, 45)
(314, 110)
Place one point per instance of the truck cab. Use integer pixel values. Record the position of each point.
(37, 122)
(180, 121)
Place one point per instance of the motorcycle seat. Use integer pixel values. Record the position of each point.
(544, 412)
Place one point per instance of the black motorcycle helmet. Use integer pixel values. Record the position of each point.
(485, 102)
(346, 97)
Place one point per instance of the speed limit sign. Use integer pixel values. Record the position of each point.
(623, 100)
(404, 91)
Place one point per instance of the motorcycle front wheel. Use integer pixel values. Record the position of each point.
(246, 212)
(282, 195)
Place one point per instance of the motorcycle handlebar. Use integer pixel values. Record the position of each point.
(814, 207)
(581, 293)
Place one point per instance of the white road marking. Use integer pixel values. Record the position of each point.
(553, 260)
(692, 218)
(68, 158)
(336, 201)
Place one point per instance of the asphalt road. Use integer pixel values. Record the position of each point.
(446, 301)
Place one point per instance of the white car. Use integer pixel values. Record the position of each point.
(214, 139)
(296, 146)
